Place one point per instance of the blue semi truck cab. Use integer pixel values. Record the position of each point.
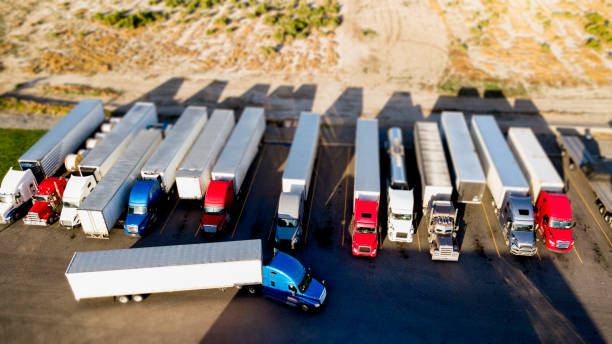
(143, 206)
(286, 280)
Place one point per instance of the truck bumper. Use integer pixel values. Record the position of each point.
(454, 257)
(35, 222)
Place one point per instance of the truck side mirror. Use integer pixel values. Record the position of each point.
(573, 224)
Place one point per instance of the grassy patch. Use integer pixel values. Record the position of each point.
(81, 90)
(368, 33)
(453, 86)
(13, 143)
(123, 19)
(12, 104)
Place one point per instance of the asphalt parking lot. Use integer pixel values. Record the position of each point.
(400, 296)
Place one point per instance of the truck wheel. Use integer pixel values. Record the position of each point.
(252, 290)
(305, 307)
(137, 298)
(602, 210)
(123, 299)
(607, 218)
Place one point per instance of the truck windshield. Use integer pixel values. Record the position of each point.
(524, 228)
(6, 198)
(68, 204)
(213, 210)
(288, 223)
(405, 217)
(41, 198)
(137, 210)
(303, 286)
(560, 224)
(365, 230)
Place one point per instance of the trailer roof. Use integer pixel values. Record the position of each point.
(145, 141)
(367, 162)
(507, 167)
(182, 133)
(431, 153)
(161, 256)
(54, 136)
(303, 147)
(461, 148)
(538, 164)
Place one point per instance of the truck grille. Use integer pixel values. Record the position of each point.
(401, 235)
(446, 250)
(33, 219)
(364, 249)
(563, 244)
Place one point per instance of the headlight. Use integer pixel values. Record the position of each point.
(552, 243)
(317, 305)
(374, 251)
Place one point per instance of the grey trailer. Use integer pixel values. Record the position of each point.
(470, 181)
(99, 161)
(193, 175)
(165, 161)
(47, 155)
(103, 207)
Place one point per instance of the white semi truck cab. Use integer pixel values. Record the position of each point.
(76, 190)
(16, 193)
(400, 200)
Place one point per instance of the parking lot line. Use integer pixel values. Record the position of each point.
(577, 255)
(169, 216)
(263, 151)
(593, 215)
(419, 239)
(314, 190)
(490, 229)
(538, 254)
(348, 156)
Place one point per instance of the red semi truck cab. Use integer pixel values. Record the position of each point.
(553, 218)
(217, 204)
(365, 228)
(47, 202)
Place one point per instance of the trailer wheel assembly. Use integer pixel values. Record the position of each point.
(123, 299)
(137, 298)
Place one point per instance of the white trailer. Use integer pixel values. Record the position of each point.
(101, 158)
(101, 210)
(470, 181)
(138, 271)
(503, 173)
(193, 175)
(241, 148)
(532, 159)
(367, 161)
(165, 161)
(296, 179)
(431, 162)
(47, 155)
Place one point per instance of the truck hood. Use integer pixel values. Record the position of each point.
(42, 209)
(524, 237)
(315, 290)
(212, 220)
(444, 240)
(135, 219)
(68, 215)
(401, 225)
(562, 234)
(364, 239)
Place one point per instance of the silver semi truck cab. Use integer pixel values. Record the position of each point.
(442, 231)
(516, 220)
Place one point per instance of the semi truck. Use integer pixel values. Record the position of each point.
(231, 169)
(436, 192)
(470, 181)
(400, 198)
(507, 184)
(101, 158)
(47, 155)
(133, 273)
(193, 175)
(595, 170)
(77, 189)
(296, 181)
(366, 192)
(103, 207)
(158, 174)
(47, 202)
(16, 193)
(552, 208)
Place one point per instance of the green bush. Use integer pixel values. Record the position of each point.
(122, 19)
(368, 32)
(593, 43)
(223, 21)
(211, 32)
(269, 50)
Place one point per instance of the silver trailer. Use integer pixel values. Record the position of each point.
(431, 162)
(137, 271)
(367, 161)
(241, 148)
(470, 181)
(103, 207)
(103, 156)
(534, 162)
(596, 171)
(47, 155)
(296, 179)
(193, 175)
(507, 185)
(165, 161)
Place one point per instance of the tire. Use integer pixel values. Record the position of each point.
(608, 218)
(572, 166)
(304, 307)
(137, 298)
(252, 290)
(602, 210)
(123, 299)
